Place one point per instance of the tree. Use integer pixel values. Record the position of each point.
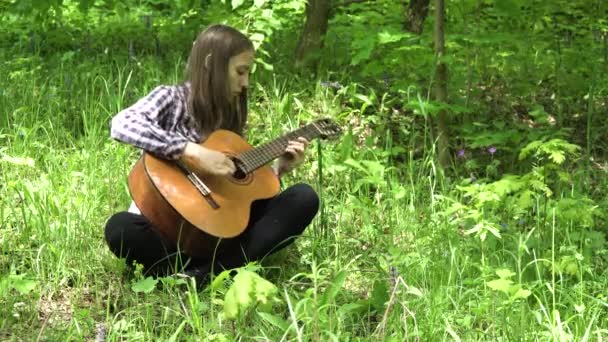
(415, 15)
(313, 33)
(441, 91)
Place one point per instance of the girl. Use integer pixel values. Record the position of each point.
(170, 122)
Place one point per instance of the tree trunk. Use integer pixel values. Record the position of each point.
(311, 39)
(441, 87)
(416, 13)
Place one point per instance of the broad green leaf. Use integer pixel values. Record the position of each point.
(355, 164)
(259, 3)
(473, 230)
(501, 284)
(238, 299)
(504, 273)
(493, 230)
(172, 281)
(379, 295)
(218, 281)
(144, 285)
(521, 293)
(539, 114)
(248, 290)
(41, 5)
(569, 267)
(349, 309)
(121, 325)
(507, 7)
(415, 291)
(334, 288)
(266, 66)
(365, 99)
(385, 37)
(400, 193)
(21, 284)
(274, 320)
(374, 167)
(363, 50)
(524, 200)
(257, 37)
(84, 5)
(237, 3)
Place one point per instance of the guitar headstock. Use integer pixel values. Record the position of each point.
(327, 128)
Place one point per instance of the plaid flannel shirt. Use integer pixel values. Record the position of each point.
(158, 123)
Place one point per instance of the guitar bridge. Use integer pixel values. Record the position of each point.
(199, 185)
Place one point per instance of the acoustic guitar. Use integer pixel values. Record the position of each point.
(195, 210)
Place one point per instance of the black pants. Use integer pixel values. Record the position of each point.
(274, 224)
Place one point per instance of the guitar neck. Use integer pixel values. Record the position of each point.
(265, 153)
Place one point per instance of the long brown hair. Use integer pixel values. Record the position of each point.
(207, 72)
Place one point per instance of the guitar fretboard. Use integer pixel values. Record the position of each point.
(263, 154)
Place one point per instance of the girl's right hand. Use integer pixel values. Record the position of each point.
(208, 161)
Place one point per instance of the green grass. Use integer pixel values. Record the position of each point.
(384, 260)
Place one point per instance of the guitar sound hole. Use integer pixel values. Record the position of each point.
(240, 173)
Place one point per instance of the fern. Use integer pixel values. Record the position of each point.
(555, 149)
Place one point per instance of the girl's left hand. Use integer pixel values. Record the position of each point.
(294, 156)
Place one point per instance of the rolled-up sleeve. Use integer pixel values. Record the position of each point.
(149, 124)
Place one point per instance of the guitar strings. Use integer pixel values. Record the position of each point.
(257, 157)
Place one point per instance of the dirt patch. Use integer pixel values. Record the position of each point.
(57, 307)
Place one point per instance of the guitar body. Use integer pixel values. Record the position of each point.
(167, 198)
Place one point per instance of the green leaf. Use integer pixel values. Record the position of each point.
(179, 329)
(257, 37)
(247, 291)
(365, 99)
(558, 157)
(524, 200)
(507, 7)
(24, 286)
(144, 285)
(274, 320)
(473, 230)
(363, 50)
(504, 273)
(84, 5)
(379, 295)
(385, 37)
(219, 280)
(237, 3)
(521, 293)
(259, 3)
(266, 66)
(501, 284)
(400, 192)
(4, 286)
(27, 161)
(334, 288)
(359, 307)
(238, 299)
(172, 281)
(415, 291)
